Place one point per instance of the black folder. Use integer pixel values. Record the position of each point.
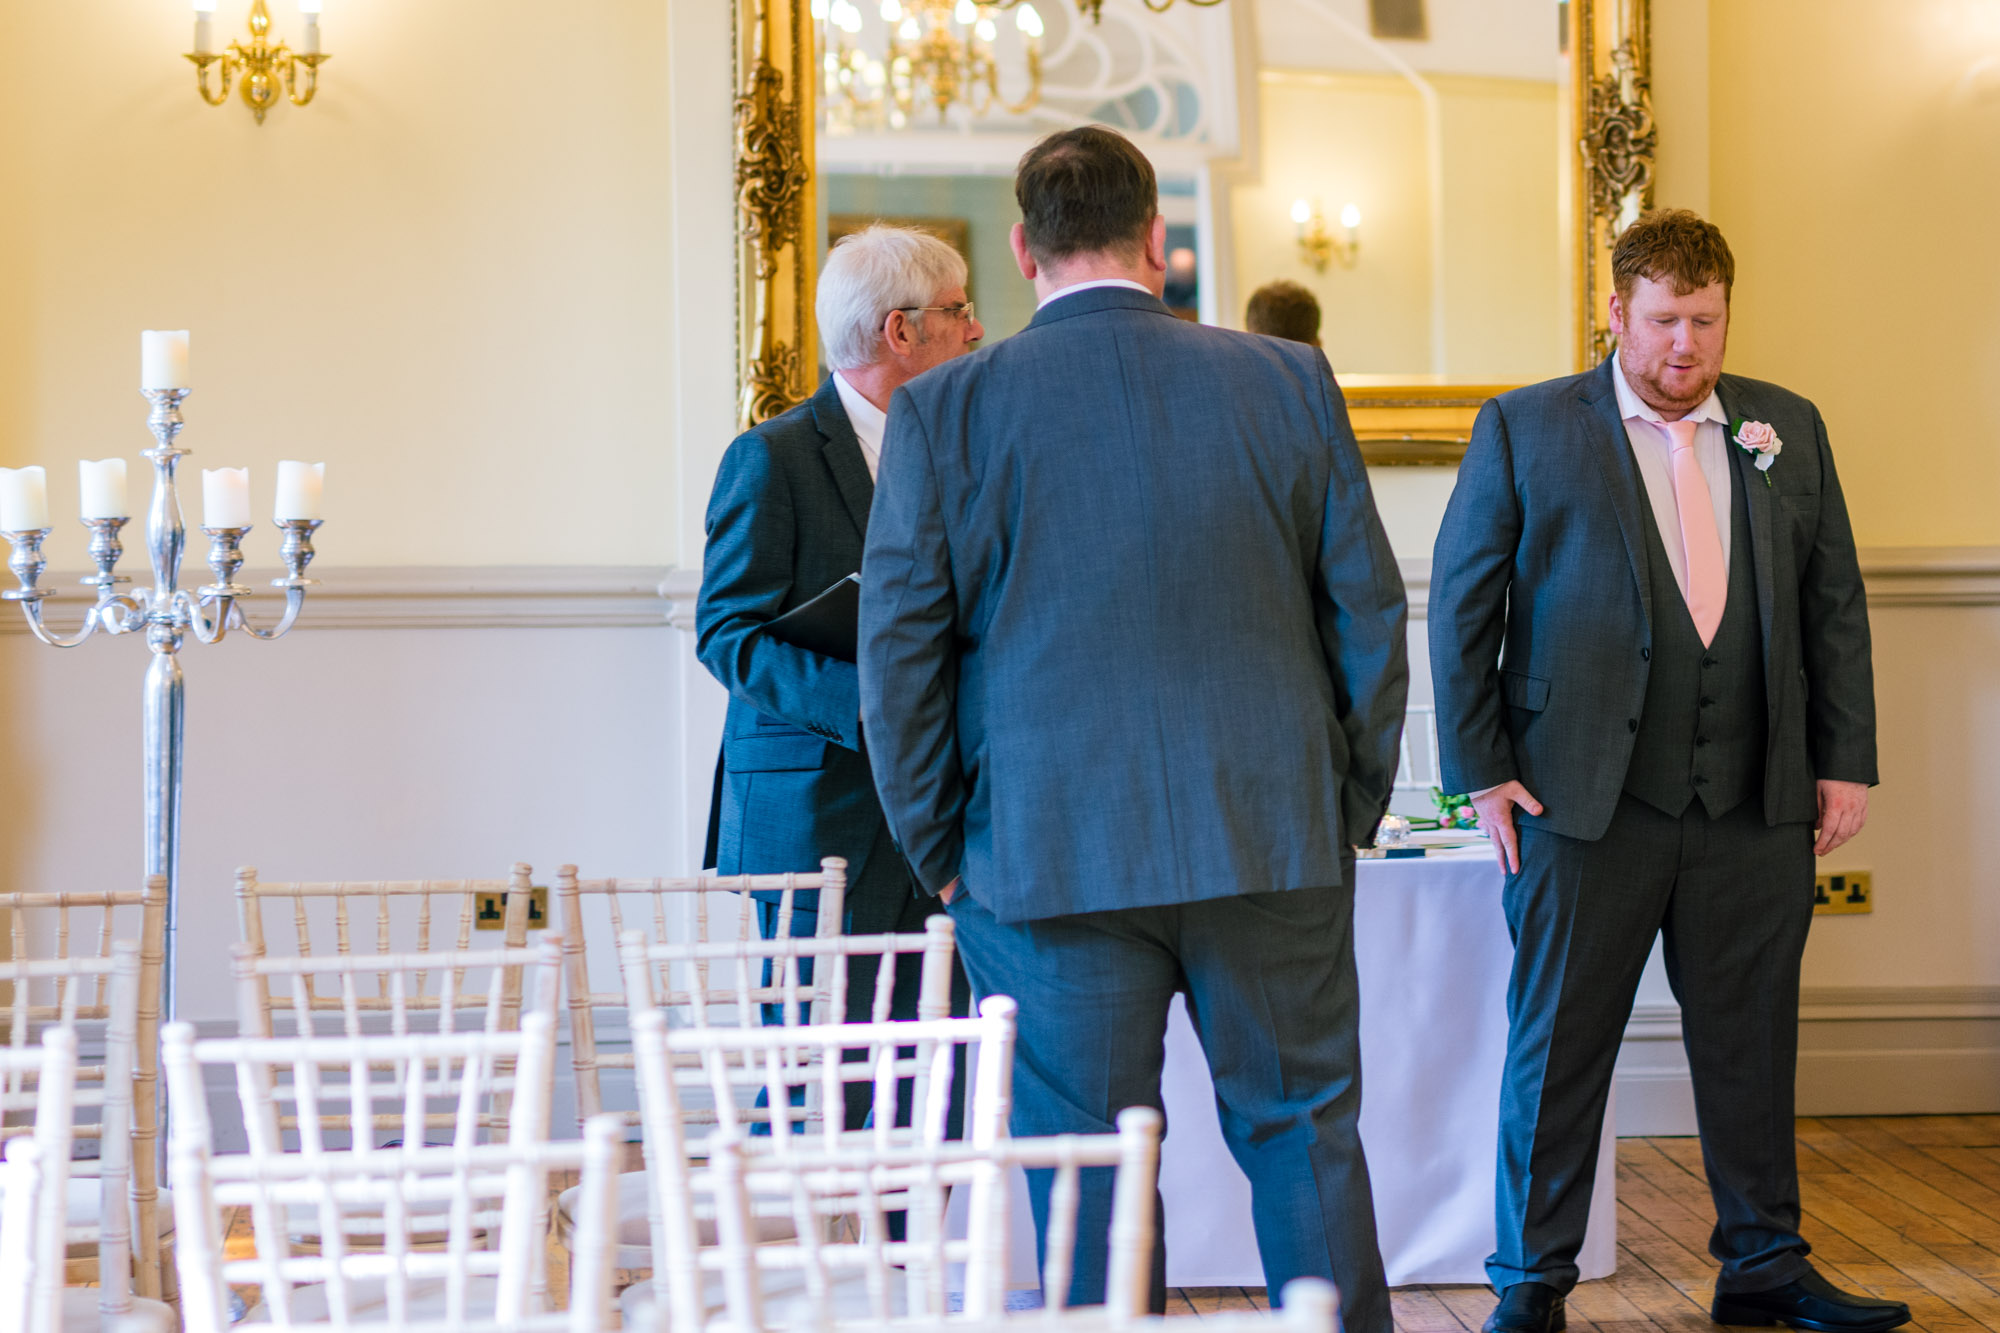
(827, 625)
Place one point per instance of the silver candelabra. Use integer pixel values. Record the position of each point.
(167, 613)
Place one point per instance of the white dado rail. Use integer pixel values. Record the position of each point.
(1896, 576)
(631, 596)
(450, 597)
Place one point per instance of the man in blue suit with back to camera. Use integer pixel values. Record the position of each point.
(786, 519)
(1133, 675)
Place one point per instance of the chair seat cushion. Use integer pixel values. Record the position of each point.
(80, 1312)
(635, 1230)
(368, 1302)
(786, 1302)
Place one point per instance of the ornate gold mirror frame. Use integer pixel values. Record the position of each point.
(1399, 422)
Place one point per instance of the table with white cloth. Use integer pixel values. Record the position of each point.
(1431, 946)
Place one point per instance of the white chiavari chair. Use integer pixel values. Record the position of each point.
(21, 1197)
(61, 928)
(488, 1202)
(916, 1058)
(402, 994)
(41, 1083)
(342, 918)
(595, 914)
(867, 1281)
(871, 1281)
(724, 984)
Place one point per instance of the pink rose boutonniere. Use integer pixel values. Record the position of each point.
(1757, 438)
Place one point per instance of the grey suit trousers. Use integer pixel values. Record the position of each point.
(1272, 992)
(1733, 897)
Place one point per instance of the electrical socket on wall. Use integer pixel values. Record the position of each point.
(1843, 893)
(490, 909)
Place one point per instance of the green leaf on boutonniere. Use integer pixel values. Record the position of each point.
(1736, 425)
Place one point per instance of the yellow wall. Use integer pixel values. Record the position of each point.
(1852, 165)
(1338, 138)
(448, 277)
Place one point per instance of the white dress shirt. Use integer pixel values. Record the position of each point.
(1646, 429)
(868, 420)
(1094, 282)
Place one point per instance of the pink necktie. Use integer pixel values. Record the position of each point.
(1707, 582)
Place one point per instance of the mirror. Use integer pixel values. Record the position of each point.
(1444, 176)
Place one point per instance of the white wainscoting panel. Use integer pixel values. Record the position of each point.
(418, 724)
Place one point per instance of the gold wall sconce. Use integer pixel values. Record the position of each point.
(1318, 245)
(264, 67)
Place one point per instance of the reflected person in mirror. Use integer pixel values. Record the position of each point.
(1283, 309)
(1133, 674)
(786, 519)
(1650, 646)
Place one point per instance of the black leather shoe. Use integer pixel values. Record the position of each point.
(1526, 1307)
(1812, 1303)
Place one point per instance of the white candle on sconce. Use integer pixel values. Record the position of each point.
(204, 26)
(299, 486)
(309, 11)
(24, 499)
(163, 359)
(103, 488)
(225, 497)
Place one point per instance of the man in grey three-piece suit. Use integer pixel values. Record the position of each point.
(786, 519)
(1133, 677)
(1649, 635)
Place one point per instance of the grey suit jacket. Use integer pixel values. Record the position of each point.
(785, 520)
(1541, 616)
(1131, 632)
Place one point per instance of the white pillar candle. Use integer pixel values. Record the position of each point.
(24, 499)
(298, 489)
(204, 26)
(103, 487)
(163, 359)
(309, 11)
(225, 497)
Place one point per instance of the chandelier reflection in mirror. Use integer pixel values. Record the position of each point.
(939, 51)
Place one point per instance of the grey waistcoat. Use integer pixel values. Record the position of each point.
(1701, 732)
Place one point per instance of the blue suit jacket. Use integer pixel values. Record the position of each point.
(1541, 615)
(1131, 632)
(786, 519)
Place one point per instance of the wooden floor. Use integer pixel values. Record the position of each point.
(1905, 1207)
(1901, 1207)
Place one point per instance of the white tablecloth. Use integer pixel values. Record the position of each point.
(1433, 955)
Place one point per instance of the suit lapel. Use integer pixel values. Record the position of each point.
(842, 452)
(1757, 498)
(1621, 477)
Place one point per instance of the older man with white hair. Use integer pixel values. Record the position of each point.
(786, 520)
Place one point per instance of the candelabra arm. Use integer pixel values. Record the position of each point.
(202, 60)
(295, 597)
(27, 564)
(203, 627)
(312, 62)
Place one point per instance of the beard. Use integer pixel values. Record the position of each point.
(1659, 396)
